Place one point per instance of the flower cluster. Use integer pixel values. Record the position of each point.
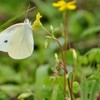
(37, 23)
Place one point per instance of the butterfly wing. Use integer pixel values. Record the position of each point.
(21, 44)
(6, 35)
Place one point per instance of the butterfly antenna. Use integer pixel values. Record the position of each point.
(27, 11)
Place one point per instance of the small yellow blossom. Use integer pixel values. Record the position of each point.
(37, 23)
(65, 5)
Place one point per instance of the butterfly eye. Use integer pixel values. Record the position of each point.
(5, 41)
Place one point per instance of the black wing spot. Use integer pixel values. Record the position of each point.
(5, 41)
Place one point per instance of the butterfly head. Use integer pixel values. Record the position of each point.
(26, 21)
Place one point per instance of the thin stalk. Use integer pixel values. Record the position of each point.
(67, 47)
(64, 64)
(66, 33)
(72, 78)
(63, 60)
(65, 70)
(61, 51)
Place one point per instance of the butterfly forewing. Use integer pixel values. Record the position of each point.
(6, 35)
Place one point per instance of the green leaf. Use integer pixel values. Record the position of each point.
(41, 74)
(24, 95)
(55, 91)
(76, 22)
(93, 55)
(10, 20)
(75, 86)
(69, 57)
(90, 31)
(84, 87)
(94, 89)
(96, 77)
(57, 85)
(70, 70)
(13, 18)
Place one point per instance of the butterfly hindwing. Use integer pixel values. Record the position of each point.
(21, 44)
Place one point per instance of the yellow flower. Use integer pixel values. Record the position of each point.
(37, 23)
(65, 5)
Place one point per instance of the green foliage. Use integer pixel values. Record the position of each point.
(54, 87)
(35, 73)
(10, 20)
(75, 87)
(41, 73)
(93, 55)
(25, 95)
(69, 57)
(90, 88)
(9, 7)
(54, 93)
(90, 31)
(80, 21)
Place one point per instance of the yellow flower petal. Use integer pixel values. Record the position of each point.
(71, 2)
(59, 3)
(71, 7)
(62, 8)
(38, 16)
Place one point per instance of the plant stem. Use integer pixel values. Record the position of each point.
(65, 70)
(63, 60)
(61, 51)
(66, 33)
(72, 78)
(67, 47)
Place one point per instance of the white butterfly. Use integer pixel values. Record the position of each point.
(17, 40)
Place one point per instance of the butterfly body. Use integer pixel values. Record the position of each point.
(17, 40)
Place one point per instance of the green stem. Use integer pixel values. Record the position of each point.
(65, 70)
(63, 60)
(67, 47)
(66, 33)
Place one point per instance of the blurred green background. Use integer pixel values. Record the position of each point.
(18, 76)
